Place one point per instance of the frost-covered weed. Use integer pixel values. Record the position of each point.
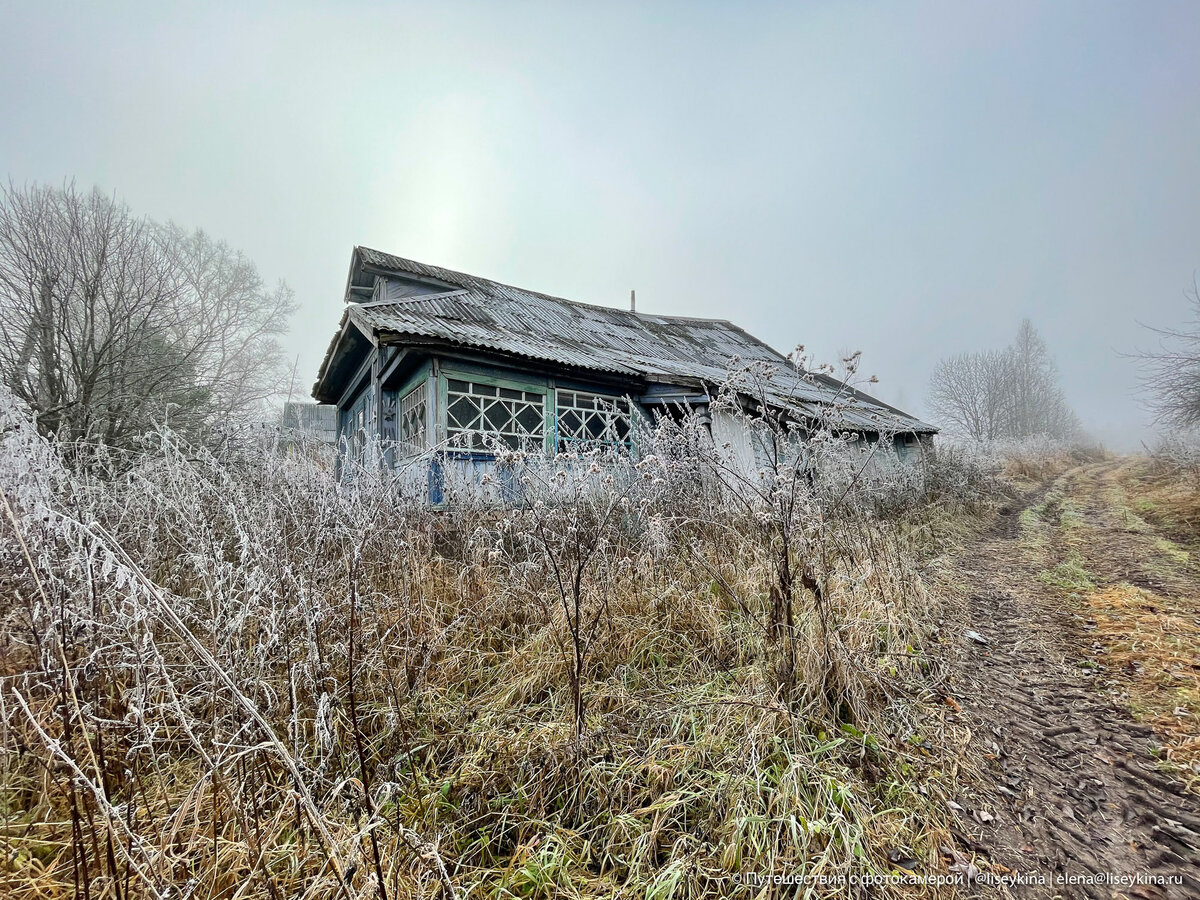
(1177, 453)
(227, 667)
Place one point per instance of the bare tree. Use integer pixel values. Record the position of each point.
(1037, 403)
(1171, 372)
(1012, 393)
(231, 323)
(968, 390)
(109, 322)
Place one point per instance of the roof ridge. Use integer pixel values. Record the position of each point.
(456, 275)
(368, 304)
(409, 265)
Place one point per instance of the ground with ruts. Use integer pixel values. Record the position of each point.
(1074, 672)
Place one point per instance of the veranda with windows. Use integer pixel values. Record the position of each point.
(462, 418)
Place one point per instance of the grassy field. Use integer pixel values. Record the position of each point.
(228, 677)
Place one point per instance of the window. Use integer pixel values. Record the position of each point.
(410, 430)
(356, 427)
(476, 412)
(588, 420)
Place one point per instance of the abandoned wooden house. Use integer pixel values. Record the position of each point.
(431, 362)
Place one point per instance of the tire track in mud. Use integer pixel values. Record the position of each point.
(1070, 790)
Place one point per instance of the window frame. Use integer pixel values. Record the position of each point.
(355, 433)
(445, 376)
(406, 449)
(576, 444)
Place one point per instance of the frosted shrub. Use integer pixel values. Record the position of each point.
(1178, 452)
(807, 522)
(190, 610)
(230, 668)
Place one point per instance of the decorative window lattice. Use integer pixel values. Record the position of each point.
(478, 412)
(410, 430)
(592, 420)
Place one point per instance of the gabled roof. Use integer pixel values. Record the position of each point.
(475, 312)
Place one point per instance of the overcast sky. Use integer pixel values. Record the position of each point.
(909, 180)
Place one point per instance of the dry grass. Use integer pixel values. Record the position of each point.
(1153, 642)
(1107, 550)
(234, 677)
(1036, 462)
(1169, 499)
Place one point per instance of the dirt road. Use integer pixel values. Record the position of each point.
(1078, 798)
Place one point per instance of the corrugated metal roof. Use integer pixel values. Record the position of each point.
(476, 312)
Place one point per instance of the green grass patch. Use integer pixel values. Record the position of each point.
(1131, 521)
(1047, 510)
(1173, 551)
(1145, 506)
(1033, 533)
(1069, 576)
(1030, 524)
(1069, 516)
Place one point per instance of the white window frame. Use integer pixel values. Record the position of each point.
(612, 411)
(488, 394)
(412, 410)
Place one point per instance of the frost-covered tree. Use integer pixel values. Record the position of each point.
(1012, 393)
(1037, 404)
(967, 391)
(1171, 372)
(110, 322)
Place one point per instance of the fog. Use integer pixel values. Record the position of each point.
(905, 180)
